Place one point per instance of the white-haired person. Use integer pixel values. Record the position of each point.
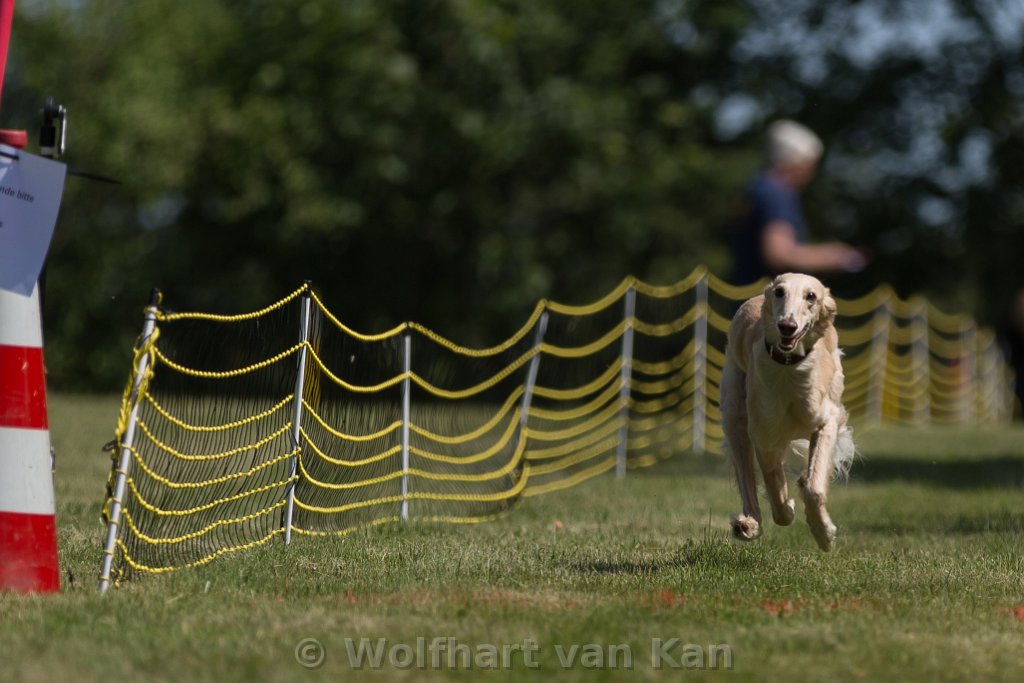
(772, 236)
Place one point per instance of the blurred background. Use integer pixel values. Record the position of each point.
(453, 161)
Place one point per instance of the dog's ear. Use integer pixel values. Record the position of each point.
(829, 309)
(766, 305)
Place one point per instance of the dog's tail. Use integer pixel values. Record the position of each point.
(842, 459)
(846, 453)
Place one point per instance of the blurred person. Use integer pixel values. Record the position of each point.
(772, 236)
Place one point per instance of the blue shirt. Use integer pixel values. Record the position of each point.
(768, 200)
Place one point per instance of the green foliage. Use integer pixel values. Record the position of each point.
(921, 108)
(452, 161)
(449, 162)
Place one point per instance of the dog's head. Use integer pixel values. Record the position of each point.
(797, 310)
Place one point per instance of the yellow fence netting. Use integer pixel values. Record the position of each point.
(239, 429)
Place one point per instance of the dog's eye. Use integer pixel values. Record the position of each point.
(779, 292)
(811, 297)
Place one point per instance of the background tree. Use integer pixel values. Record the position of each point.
(922, 109)
(452, 161)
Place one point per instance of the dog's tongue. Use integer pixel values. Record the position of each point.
(787, 343)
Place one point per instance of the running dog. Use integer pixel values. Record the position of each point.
(783, 384)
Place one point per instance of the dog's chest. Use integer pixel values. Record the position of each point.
(787, 402)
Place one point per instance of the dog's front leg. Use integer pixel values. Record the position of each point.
(745, 526)
(775, 485)
(814, 483)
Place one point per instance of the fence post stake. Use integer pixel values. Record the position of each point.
(622, 451)
(922, 360)
(700, 366)
(879, 362)
(1004, 385)
(300, 387)
(406, 412)
(987, 411)
(127, 440)
(531, 372)
(969, 346)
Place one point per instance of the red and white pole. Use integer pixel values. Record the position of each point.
(28, 530)
(6, 19)
(14, 138)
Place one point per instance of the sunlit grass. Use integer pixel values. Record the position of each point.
(926, 581)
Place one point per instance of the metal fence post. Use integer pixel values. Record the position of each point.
(406, 411)
(1004, 382)
(700, 366)
(969, 345)
(127, 440)
(879, 363)
(531, 372)
(922, 361)
(622, 451)
(988, 391)
(300, 387)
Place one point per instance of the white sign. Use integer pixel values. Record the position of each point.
(30, 191)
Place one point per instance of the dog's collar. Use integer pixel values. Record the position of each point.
(782, 357)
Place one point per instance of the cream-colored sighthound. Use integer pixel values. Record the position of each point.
(782, 385)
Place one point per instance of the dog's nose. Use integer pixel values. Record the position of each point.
(787, 327)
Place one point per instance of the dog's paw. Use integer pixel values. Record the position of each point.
(784, 516)
(745, 528)
(822, 528)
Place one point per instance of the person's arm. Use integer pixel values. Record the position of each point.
(782, 252)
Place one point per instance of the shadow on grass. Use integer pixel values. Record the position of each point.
(687, 464)
(694, 554)
(990, 472)
(957, 525)
(623, 567)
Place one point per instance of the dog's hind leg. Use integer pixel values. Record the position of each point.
(775, 486)
(745, 526)
(814, 483)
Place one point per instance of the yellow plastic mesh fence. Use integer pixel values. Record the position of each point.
(238, 429)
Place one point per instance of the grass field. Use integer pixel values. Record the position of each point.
(926, 583)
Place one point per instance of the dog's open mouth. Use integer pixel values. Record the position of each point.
(788, 343)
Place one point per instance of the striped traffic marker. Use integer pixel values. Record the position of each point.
(28, 531)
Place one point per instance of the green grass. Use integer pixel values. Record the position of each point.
(924, 583)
